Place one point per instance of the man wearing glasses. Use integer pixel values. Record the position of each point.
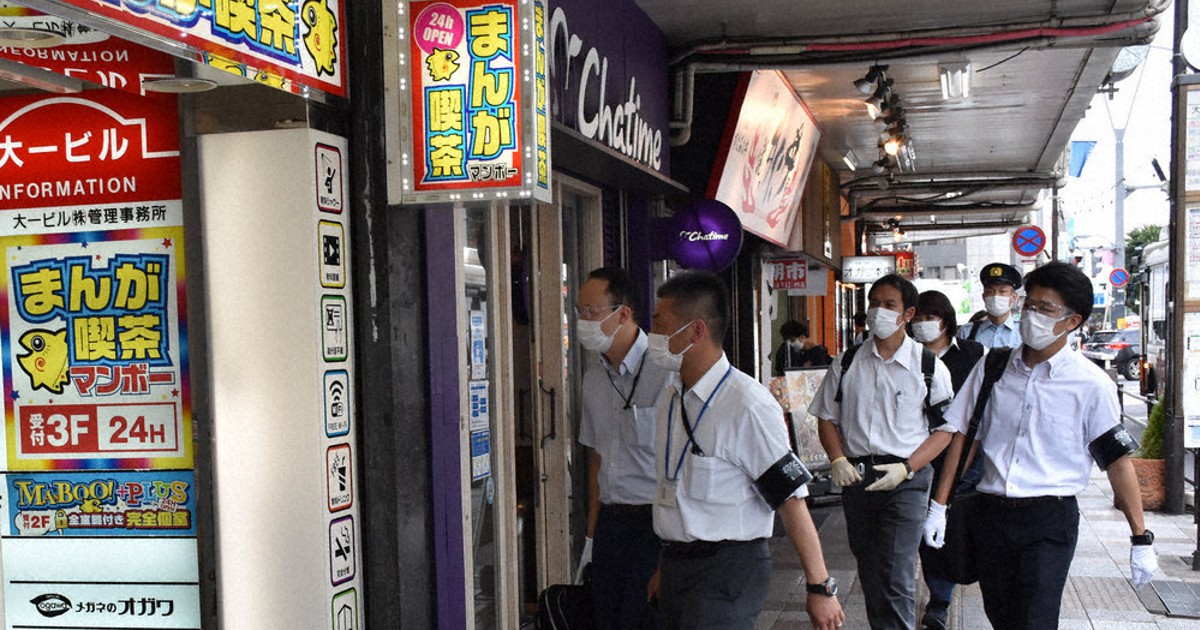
(618, 422)
(1051, 415)
(999, 329)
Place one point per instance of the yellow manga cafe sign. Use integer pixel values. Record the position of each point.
(473, 109)
(292, 45)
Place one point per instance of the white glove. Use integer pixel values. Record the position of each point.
(585, 559)
(893, 475)
(844, 473)
(935, 525)
(1143, 562)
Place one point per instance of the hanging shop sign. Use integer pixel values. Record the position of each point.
(906, 264)
(867, 268)
(796, 276)
(608, 71)
(83, 53)
(98, 492)
(767, 157)
(704, 235)
(289, 44)
(476, 122)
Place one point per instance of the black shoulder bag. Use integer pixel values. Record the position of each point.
(955, 561)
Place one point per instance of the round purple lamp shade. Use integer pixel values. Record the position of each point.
(706, 235)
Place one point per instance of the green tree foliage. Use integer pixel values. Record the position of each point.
(1135, 242)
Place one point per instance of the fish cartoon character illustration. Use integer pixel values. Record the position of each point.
(321, 38)
(442, 64)
(46, 361)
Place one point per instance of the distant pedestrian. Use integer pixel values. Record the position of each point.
(860, 329)
(999, 328)
(798, 349)
(1051, 415)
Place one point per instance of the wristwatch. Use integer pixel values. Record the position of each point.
(909, 471)
(828, 588)
(1147, 538)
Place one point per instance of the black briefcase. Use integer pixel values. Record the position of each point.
(564, 607)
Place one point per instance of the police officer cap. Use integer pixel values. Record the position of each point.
(1000, 272)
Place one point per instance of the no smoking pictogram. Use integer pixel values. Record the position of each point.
(1029, 240)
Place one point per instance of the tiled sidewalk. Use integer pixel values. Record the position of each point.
(1098, 595)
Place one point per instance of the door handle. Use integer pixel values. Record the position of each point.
(522, 396)
(553, 434)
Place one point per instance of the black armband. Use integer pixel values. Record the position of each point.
(1113, 445)
(936, 414)
(781, 480)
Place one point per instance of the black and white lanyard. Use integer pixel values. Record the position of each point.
(688, 428)
(628, 400)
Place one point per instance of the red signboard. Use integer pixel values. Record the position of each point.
(100, 147)
(788, 274)
(110, 61)
(906, 264)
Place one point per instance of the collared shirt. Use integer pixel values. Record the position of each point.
(883, 402)
(742, 434)
(1006, 335)
(624, 438)
(1038, 423)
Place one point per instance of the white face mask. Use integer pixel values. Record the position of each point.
(997, 305)
(659, 349)
(883, 323)
(797, 344)
(1037, 330)
(926, 332)
(592, 337)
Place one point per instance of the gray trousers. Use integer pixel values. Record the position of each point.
(723, 591)
(885, 529)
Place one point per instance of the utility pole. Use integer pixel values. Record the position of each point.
(1177, 305)
(1117, 308)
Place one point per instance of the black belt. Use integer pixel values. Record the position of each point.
(701, 548)
(627, 508)
(1023, 502)
(875, 460)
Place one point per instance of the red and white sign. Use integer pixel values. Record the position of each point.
(103, 147)
(906, 264)
(98, 58)
(74, 431)
(788, 274)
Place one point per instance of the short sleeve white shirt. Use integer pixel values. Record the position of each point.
(742, 434)
(1038, 423)
(624, 438)
(1005, 335)
(883, 402)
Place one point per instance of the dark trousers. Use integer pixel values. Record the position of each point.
(884, 529)
(1023, 552)
(624, 557)
(722, 590)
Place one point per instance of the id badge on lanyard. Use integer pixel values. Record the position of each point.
(666, 493)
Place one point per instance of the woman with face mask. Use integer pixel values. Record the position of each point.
(935, 326)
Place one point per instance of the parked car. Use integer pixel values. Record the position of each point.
(1122, 348)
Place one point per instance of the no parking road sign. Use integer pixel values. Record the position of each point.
(1119, 277)
(1029, 240)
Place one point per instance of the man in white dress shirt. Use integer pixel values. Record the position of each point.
(724, 468)
(879, 439)
(617, 424)
(1051, 415)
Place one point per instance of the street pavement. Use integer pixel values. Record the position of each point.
(1097, 596)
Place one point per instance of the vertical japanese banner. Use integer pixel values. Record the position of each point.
(97, 418)
(477, 101)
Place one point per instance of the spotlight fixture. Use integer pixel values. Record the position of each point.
(955, 79)
(850, 159)
(880, 165)
(892, 146)
(865, 84)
